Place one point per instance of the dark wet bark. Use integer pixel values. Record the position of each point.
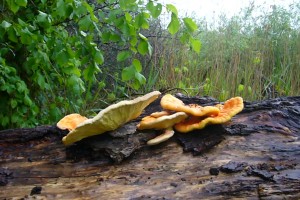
(256, 155)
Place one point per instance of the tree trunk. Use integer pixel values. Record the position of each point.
(254, 156)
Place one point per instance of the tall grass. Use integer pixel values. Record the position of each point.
(250, 55)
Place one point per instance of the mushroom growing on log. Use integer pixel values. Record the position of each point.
(256, 158)
(230, 108)
(110, 118)
(190, 117)
(161, 121)
(70, 122)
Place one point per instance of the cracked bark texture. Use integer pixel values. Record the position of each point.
(254, 156)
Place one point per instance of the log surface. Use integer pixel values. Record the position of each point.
(254, 156)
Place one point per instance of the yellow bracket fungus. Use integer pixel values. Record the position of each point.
(184, 118)
(167, 134)
(161, 120)
(169, 102)
(70, 121)
(188, 117)
(230, 108)
(110, 118)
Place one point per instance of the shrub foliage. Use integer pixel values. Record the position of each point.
(62, 56)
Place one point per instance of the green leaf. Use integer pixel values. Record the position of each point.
(15, 117)
(141, 79)
(42, 57)
(174, 25)
(71, 70)
(111, 97)
(13, 103)
(88, 6)
(12, 36)
(21, 2)
(154, 10)
(141, 20)
(150, 49)
(83, 33)
(184, 38)
(91, 11)
(43, 19)
(124, 4)
(85, 23)
(143, 37)
(241, 88)
(80, 10)
(21, 87)
(8, 88)
(76, 84)
(27, 100)
(133, 41)
(22, 23)
(26, 36)
(124, 27)
(190, 24)
(123, 55)
(13, 6)
(143, 47)
(61, 8)
(173, 9)
(98, 57)
(88, 73)
(54, 112)
(128, 73)
(249, 89)
(41, 80)
(4, 121)
(128, 17)
(101, 85)
(105, 37)
(137, 64)
(5, 24)
(196, 45)
(114, 38)
(62, 57)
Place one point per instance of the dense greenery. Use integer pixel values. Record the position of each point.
(255, 54)
(63, 56)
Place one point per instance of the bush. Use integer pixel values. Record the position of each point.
(64, 56)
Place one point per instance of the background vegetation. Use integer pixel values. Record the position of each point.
(255, 54)
(65, 56)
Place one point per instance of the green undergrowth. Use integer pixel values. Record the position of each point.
(250, 55)
(79, 56)
(75, 56)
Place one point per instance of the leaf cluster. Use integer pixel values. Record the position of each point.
(55, 56)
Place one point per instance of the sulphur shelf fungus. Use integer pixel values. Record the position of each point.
(70, 121)
(185, 118)
(169, 102)
(230, 108)
(110, 118)
(167, 134)
(161, 121)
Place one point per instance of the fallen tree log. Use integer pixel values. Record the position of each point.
(256, 155)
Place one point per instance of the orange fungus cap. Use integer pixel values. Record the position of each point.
(230, 108)
(170, 102)
(70, 121)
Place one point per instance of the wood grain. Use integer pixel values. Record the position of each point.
(258, 157)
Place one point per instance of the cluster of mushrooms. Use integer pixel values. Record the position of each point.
(175, 115)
